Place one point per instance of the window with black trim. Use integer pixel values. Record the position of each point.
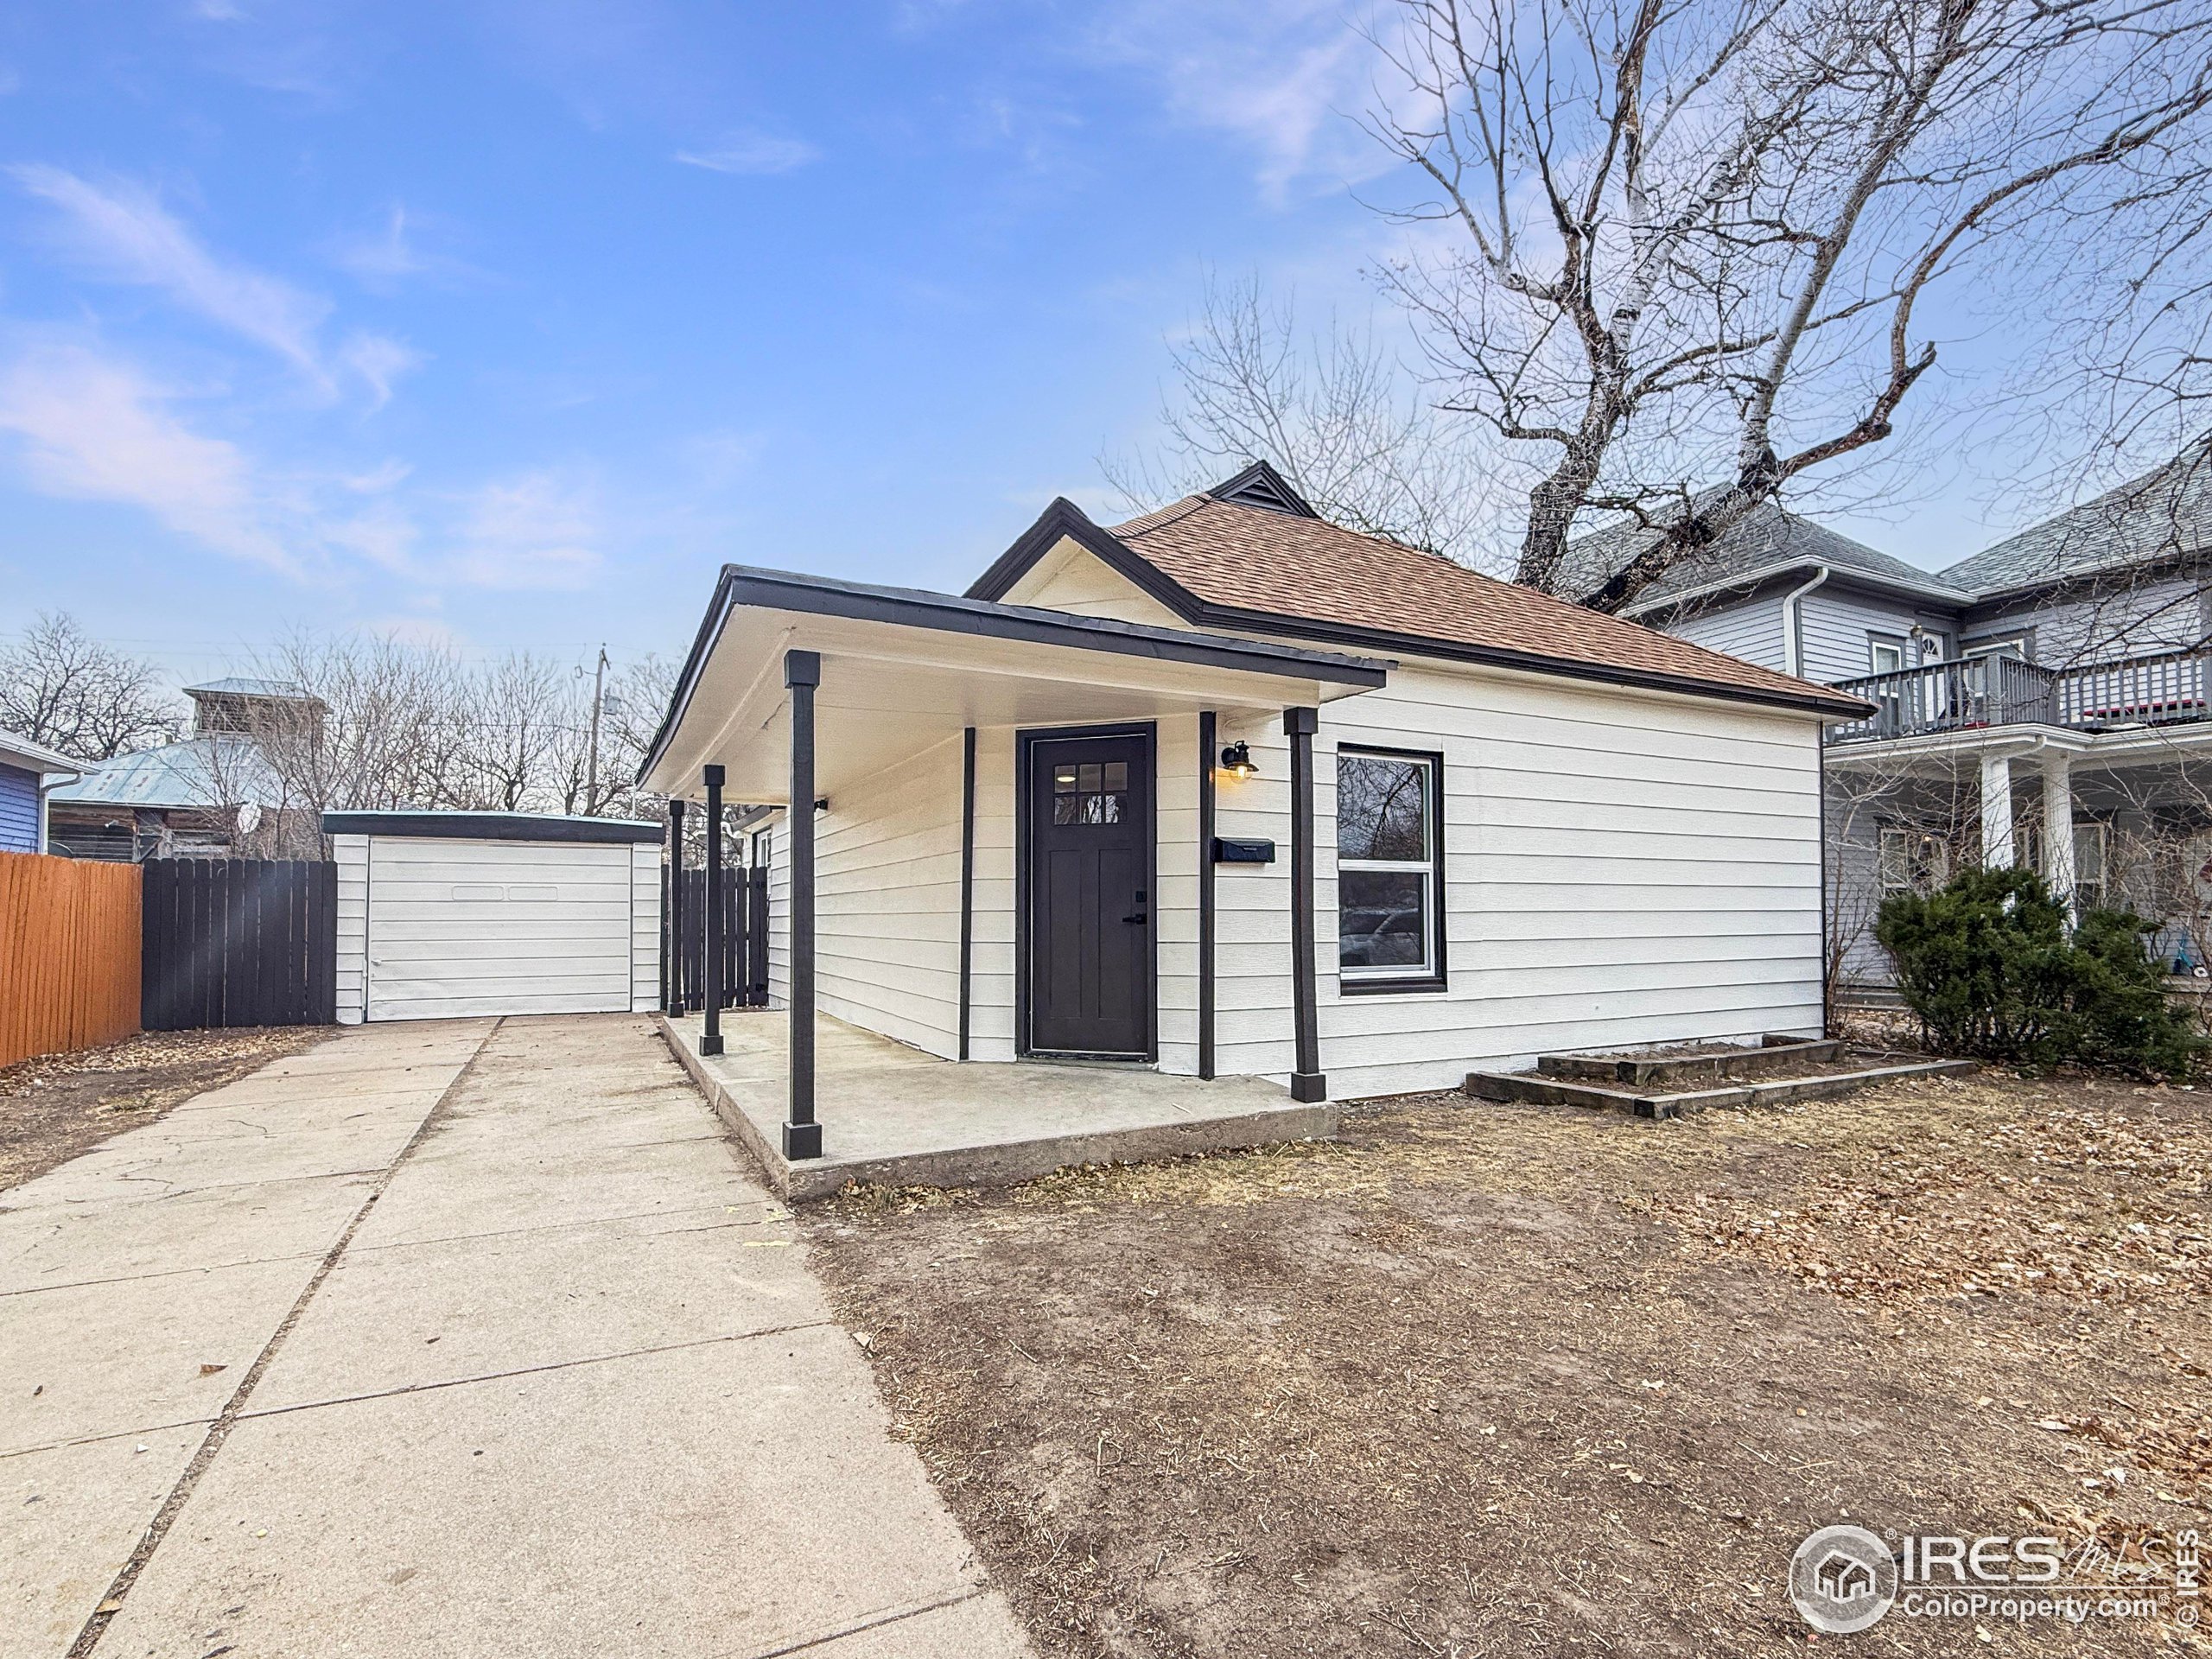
(1390, 869)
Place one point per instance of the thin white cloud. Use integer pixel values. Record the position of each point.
(90, 426)
(532, 531)
(123, 233)
(752, 153)
(383, 258)
(379, 360)
(126, 235)
(93, 428)
(1289, 86)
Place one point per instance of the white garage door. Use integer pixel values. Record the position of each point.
(477, 927)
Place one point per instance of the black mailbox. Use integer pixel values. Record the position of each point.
(1226, 851)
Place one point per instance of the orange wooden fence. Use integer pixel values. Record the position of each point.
(69, 934)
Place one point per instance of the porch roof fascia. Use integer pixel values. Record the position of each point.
(791, 591)
(2024, 738)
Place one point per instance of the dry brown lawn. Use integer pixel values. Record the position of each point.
(55, 1106)
(1488, 1379)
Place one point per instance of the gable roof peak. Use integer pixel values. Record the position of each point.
(1261, 485)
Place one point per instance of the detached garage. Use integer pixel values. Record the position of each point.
(442, 915)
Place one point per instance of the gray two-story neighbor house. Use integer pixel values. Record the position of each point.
(2044, 701)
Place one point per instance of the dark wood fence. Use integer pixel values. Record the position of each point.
(239, 942)
(68, 954)
(745, 941)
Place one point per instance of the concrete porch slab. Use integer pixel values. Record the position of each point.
(893, 1116)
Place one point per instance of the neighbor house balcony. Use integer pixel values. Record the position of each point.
(2164, 688)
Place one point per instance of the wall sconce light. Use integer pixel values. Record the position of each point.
(1236, 761)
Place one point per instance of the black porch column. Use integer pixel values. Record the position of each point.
(710, 1040)
(672, 956)
(1209, 734)
(802, 1135)
(1306, 1082)
(966, 886)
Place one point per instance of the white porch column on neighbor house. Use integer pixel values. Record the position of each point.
(2058, 871)
(1997, 851)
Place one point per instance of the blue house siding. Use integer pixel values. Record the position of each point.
(18, 810)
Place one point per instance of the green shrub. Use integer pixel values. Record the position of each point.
(2122, 1016)
(1993, 970)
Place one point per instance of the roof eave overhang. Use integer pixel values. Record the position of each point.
(27, 756)
(2162, 562)
(1749, 580)
(1064, 519)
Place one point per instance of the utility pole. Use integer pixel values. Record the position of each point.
(591, 763)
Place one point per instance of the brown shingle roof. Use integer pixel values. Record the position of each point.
(1307, 569)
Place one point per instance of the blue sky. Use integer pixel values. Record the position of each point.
(504, 322)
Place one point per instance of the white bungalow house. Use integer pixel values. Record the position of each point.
(1230, 789)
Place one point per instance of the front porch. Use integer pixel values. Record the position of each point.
(2118, 818)
(993, 841)
(896, 1116)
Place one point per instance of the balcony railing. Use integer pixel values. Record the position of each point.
(1984, 691)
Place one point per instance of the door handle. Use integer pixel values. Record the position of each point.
(1140, 917)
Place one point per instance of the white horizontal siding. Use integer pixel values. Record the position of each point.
(991, 977)
(1619, 868)
(887, 902)
(351, 854)
(462, 927)
(779, 911)
(645, 864)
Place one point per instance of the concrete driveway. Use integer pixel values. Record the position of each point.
(456, 1339)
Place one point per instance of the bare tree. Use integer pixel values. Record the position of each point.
(61, 688)
(375, 725)
(523, 712)
(1335, 410)
(371, 723)
(1669, 261)
(1686, 232)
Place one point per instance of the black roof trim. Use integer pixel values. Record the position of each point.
(1064, 519)
(710, 627)
(1261, 485)
(988, 619)
(489, 826)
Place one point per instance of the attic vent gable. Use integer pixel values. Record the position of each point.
(1261, 485)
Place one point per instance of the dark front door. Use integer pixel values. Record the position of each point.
(1089, 932)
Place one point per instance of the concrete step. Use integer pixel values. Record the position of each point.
(1692, 1071)
(1535, 1088)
